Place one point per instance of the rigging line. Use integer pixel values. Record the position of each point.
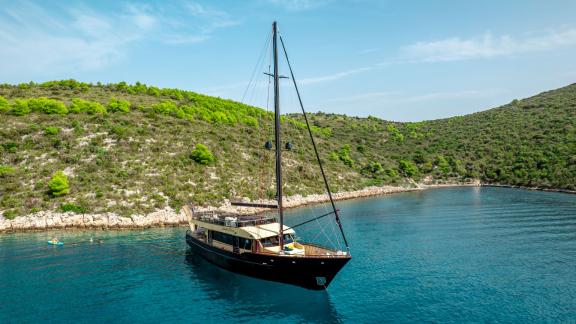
(311, 220)
(249, 98)
(299, 139)
(314, 145)
(256, 84)
(264, 50)
(268, 133)
(262, 129)
(322, 228)
(259, 62)
(329, 240)
(334, 232)
(250, 94)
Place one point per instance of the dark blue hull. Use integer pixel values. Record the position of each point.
(309, 272)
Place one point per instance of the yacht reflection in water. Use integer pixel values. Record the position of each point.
(249, 297)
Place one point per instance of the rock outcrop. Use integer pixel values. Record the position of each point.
(45, 220)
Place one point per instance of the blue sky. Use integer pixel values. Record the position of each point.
(398, 60)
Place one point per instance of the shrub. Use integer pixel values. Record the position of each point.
(118, 130)
(59, 184)
(84, 106)
(408, 168)
(6, 170)
(250, 121)
(4, 106)
(51, 130)
(72, 208)
(442, 164)
(67, 84)
(154, 91)
(10, 214)
(47, 106)
(395, 133)
(374, 167)
(202, 155)
(10, 147)
(344, 155)
(115, 105)
(168, 108)
(391, 173)
(19, 107)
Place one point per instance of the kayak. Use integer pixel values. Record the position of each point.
(57, 243)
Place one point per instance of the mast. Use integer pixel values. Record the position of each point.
(277, 135)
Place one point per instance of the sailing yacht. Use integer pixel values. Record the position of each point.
(261, 245)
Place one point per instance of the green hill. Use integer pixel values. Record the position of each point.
(134, 148)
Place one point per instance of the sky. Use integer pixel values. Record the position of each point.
(397, 60)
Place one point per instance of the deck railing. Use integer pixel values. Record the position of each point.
(232, 220)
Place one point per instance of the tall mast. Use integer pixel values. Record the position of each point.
(277, 136)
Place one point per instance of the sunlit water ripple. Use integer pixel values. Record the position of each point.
(446, 255)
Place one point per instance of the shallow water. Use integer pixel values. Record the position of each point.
(445, 255)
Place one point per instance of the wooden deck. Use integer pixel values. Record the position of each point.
(310, 250)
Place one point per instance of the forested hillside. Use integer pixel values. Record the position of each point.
(68, 145)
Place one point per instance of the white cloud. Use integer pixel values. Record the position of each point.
(488, 46)
(222, 90)
(212, 19)
(43, 44)
(299, 5)
(334, 76)
(368, 50)
(184, 39)
(396, 97)
(378, 95)
(141, 16)
(203, 11)
(42, 41)
(450, 95)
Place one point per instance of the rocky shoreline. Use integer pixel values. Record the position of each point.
(529, 188)
(47, 220)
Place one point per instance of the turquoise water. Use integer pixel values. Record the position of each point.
(446, 255)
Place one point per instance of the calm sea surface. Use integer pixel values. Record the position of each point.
(446, 255)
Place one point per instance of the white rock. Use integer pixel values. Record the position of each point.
(22, 222)
(38, 221)
(54, 221)
(142, 221)
(100, 220)
(70, 219)
(5, 224)
(125, 222)
(113, 220)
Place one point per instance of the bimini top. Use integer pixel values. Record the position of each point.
(250, 232)
(255, 229)
(266, 230)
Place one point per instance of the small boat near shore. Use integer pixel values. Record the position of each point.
(260, 245)
(55, 243)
